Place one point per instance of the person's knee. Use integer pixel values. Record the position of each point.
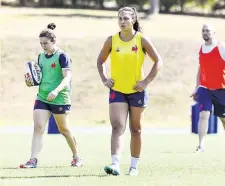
(64, 131)
(118, 129)
(39, 128)
(135, 131)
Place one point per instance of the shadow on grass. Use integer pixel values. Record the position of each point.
(53, 176)
(47, 167)
(47, 176)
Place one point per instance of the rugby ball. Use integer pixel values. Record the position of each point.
(33, 71)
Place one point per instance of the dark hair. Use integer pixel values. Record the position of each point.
(134, 14)
(48, 32)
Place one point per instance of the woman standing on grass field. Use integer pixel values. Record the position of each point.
(53, 95)
(128, 94)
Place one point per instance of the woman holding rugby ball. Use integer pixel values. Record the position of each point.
(53, 96)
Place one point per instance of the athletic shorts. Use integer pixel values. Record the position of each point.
(209, 99)
(55, 109)
(137, 99)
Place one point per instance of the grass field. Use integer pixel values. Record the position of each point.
(164, 161)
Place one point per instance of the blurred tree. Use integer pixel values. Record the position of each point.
(57, 3)
(182, 2)
(74, 3)
(139, 3)
(165, 5)
(218, 5)
(121, 3)
(41, 3)
(154, 7)
(204, 2)
(101, 3)
(22, 2)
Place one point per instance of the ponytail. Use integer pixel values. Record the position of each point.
(136, 26)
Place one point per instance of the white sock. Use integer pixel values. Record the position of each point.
(115, 159)
(134, 162)
(201, 143)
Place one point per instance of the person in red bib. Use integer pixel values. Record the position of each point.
(210, 84)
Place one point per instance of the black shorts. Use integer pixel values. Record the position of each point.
(209, 99)
(137, 99)
(55, 109)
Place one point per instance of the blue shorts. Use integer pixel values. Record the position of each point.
(208, 98)
(137, 99)
(55, 109)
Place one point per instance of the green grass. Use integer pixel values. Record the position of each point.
(164, 161)
(82, 34)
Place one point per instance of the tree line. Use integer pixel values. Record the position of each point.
(154, 6)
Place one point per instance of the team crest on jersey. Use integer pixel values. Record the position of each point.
(117, 49)
(134, 48)
(53, 65)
